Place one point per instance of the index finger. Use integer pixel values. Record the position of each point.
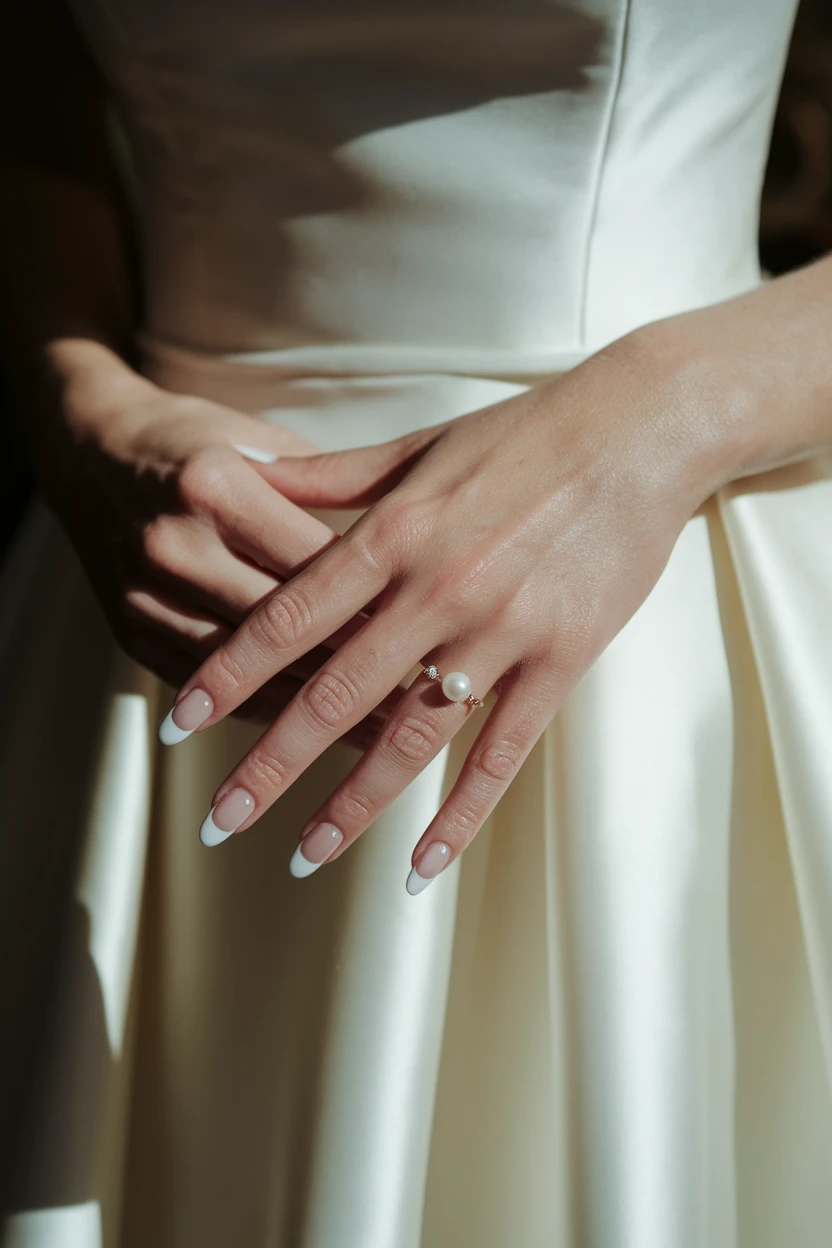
(301, 614)
(251, 513)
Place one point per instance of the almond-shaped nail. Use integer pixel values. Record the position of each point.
(435, 858)
(185, 716)
(254, 452)
(225, 818)
(314, 849)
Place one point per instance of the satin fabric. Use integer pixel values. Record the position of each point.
(608, 1024)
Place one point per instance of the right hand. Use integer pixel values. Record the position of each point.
(180, 534)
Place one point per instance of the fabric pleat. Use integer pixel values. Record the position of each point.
(608, 1024)
(604, 1025)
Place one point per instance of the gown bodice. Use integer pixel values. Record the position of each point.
(492, 185)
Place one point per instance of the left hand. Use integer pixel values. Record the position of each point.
(511, 544)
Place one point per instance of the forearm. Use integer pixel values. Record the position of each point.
(67, 302)
(750, 379)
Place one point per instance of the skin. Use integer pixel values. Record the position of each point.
(181, 536)
(554, 512)
(179, 533)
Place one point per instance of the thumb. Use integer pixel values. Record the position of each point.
(352, 478)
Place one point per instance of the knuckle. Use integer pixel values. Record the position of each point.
(229, 668)
(353, 811)
(374, 547)
(412, 740)
(410, 515)
(499, 760)
(331, 698)
(266, 770)
(204, 478)
(464, 819)
(285, 618)
(159, 545)
(400, 522)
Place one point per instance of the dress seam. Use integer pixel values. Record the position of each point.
(603, 151)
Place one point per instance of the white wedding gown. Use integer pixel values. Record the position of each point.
(609, 1024)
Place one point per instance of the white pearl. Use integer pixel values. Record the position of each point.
(456, 686)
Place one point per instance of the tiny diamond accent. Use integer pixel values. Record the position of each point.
(432, 672)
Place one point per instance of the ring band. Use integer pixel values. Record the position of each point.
(456, 686)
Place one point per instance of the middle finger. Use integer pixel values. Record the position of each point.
(253, 515)
(343, 692)
(413, 736)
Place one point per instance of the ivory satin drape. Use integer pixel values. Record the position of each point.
(609, 1024)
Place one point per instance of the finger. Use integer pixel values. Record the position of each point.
(219, 581)
(168, 627)
(337, 698)
(265, 707)
(310, 664)
(520, 716)
(258, 522)
(423, 724)
(201, 577)
(262, 442)
(156, 648)
(266, 704)
(192, 562)
(269, 701)
(199, 571)
(256, 453)
(196, 633)
(353, 478)
(302, 614)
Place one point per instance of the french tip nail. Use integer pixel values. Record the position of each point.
(209, 833)
(300, 866)
(416, 882)
(170, 733)
(254, 452)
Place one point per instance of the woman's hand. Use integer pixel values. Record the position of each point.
(177, 529)
(511, 544)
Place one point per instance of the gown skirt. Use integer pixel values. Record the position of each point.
(609, 1022)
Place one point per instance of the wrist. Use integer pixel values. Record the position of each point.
(81, 395)
(704, 405)
(669, 420)
(749, 378)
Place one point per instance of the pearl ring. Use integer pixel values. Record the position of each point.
(456, 686)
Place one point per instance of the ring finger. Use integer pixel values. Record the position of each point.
(364, 671)
(419, 729)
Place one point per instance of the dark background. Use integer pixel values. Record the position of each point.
(795, 226)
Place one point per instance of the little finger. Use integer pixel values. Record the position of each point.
(521, 714)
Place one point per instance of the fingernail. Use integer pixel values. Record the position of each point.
(185, 716)
(314, 849)
(433, 860)
(254, 452)
(226, 817)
